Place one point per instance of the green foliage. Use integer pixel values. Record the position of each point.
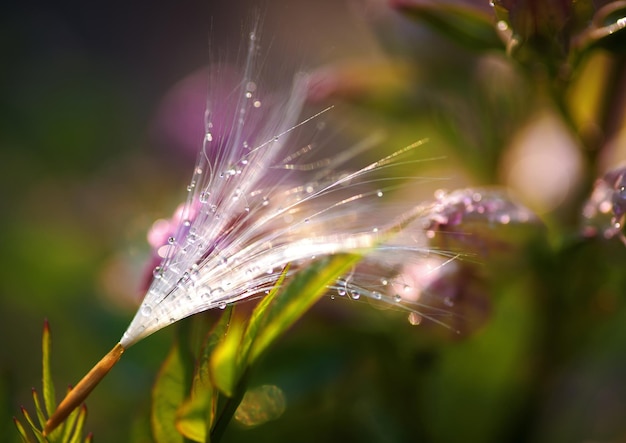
(72, 430)
(197, 391)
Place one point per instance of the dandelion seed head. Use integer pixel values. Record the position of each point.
(260, 198)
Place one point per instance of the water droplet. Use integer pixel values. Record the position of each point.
(384, 281)
(248, 94)
(157, 272)
(186, 222)
(146, 310)
(379, 193)
(209, 137)
(266, 201)
(377, 295)
(397, 298)
(171, 240)
(204, 196)
(191, 186)
(355, 294)
(222, 305)
(415, 319)
(257, 103)
(440, 194)
(341, 292)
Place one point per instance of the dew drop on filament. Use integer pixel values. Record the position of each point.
(157, 272)
(414, 318)
(146, 310)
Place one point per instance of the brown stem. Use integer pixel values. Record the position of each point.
(79, 393)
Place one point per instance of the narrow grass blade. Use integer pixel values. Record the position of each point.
(22, 431)
(40, 438)
(48, 385)
(41, 417)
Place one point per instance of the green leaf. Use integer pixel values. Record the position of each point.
(40, 414)
(258, 319)
(40, 438)
(167, 395)
(69, 425)
(225, 367)
(48, 386)
(196, 414)
(21, 430)
(81, 416)
(465, 25)
(283, 308)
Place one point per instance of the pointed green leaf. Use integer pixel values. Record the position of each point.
(89, 438)
(195, 416)
(225, 365)
(40, 438)
(21, 430)
(167, 395)
(288, 305)
(48, 386)
(67, 428)
(467, 26)
(78, 428)
(40, 414)
(258, 319)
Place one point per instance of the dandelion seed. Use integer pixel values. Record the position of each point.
(242, 223)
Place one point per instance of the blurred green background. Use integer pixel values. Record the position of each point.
(90, 160)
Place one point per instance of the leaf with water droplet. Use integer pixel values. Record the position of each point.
(284, 307)
(466, 25)
(224, 368)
